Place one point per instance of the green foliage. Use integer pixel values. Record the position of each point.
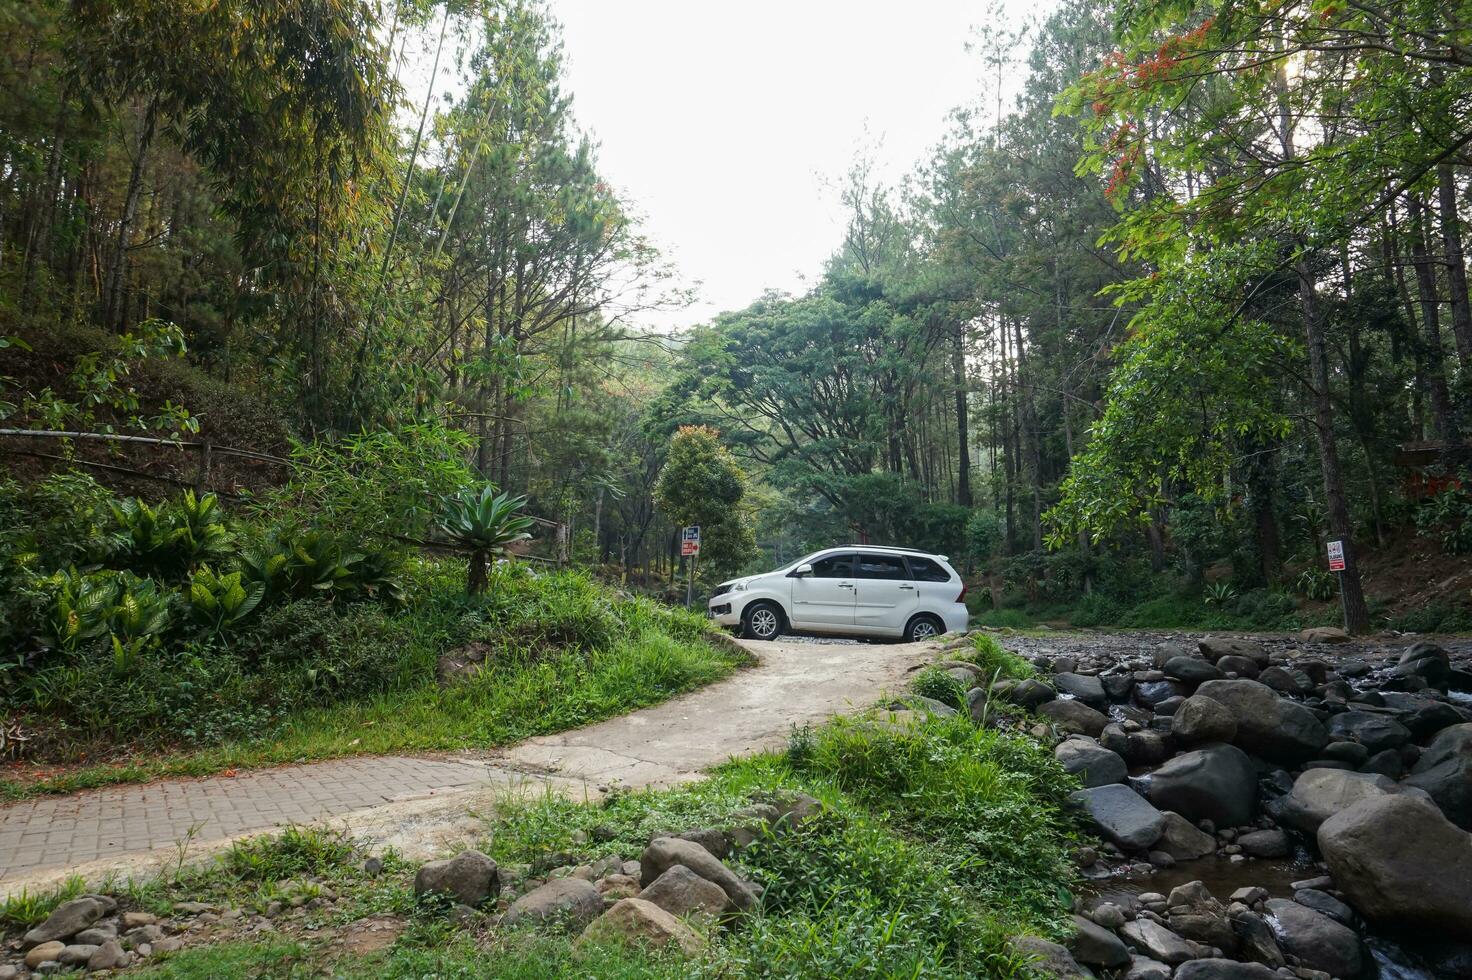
(701, 484)
(994, 661)
(171, 539)
(1447, 517)
(484, 524)
(1317, 584)
(983, 535)
(374, 485)
(1219, 593)
(934, 683)
(295, 564)
(25, 908)
(1096, 609)
(216, 601)
(295, 851)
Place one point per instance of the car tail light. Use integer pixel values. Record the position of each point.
(962, 596)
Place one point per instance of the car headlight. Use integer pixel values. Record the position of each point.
(739, 587)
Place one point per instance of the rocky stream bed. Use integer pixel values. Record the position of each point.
(1267, 805)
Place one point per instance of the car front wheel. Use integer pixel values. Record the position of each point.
(761, 621)
(923, 628)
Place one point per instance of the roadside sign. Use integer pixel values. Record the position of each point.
(1336, 556)
(688, 548)
(690, 540)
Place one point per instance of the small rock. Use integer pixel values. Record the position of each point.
(132, 920)
(619, 886)
(1324, 634)
(1326, 904)
(1217, 969)
(638, 921)
(1093, 764)
(682, 892)
(1201, 719)
(1190, 893)
(1108, 915)
(1266, 844)
(1250, 895)
(666, 852)
(109, 956)
(76, 954)
(569, 902)
(47, 952)
(1049, 959)
(1123, 817)
(70, 918)
(96, 936)
(1073, 716)
(1144, 968)
(1182, 841)
(469, 877)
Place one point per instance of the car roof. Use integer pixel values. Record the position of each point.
(893, 549)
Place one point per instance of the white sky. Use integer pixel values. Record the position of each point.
(727, 126)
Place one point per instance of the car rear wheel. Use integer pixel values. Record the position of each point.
(761, 621)
(923, 627)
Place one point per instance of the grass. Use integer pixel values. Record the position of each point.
(935, 844)
(564, 653)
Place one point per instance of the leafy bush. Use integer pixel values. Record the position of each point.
(1096, 610)
(294, 851)
(1315, 583)
(171, 539)
(936, 684)
(1447, 517)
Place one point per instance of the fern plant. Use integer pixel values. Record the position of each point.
(483, 524)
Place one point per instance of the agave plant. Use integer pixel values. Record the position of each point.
(483, 524)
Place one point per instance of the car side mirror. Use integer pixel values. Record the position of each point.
(803, 569)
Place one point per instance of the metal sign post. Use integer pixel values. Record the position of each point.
(1336, 565)
(690, 547)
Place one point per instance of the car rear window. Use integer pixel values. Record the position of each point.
(834, 566)
(882, 566)
(925, 570)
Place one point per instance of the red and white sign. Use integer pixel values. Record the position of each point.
(1336, 556)
(690, 541)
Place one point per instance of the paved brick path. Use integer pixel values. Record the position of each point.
(794, 684)
(72, 830)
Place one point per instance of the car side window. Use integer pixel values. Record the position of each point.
(925, 570)
(834, 566)
(882, 566)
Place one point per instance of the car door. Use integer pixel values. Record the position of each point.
(824, 598)
(933, 584)
(885, 594)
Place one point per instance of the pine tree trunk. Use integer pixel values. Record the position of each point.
(1456, 266)
(1356, 616)
(1443, 412)
(963, 432)
(112, 314)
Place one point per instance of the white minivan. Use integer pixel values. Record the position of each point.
(857, 590)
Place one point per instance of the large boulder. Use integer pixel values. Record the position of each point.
(1073, 716)
(1224, 970)
(1444, 771)
(1400, 862)
(682, 892)
(1424, 661)
(1200, 719)
(1318, 941)
(1318, 794)
(1216, 783)
(70, 918)
(634, 921)
(1213, 648)
(1029, 693)
(1191, 670)
(1156, 941)
(664, 853)
(1324, 634)
(1267, 725)
(1086, 687)
(1049, 959)
(1122, 816)
(1093, 764)
(1183, 840)
(1096, 946)
(469, 877)
(1255, 939)
(570, 903)
(1376, 732)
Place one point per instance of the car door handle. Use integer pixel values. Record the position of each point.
(908, 588)
(845, 585)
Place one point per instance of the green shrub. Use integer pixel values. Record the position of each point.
(1317, 584)
(936, 684)
(295, 851)
(987, 653)
(1447, 517)
(1096, 610)
(171, 539)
